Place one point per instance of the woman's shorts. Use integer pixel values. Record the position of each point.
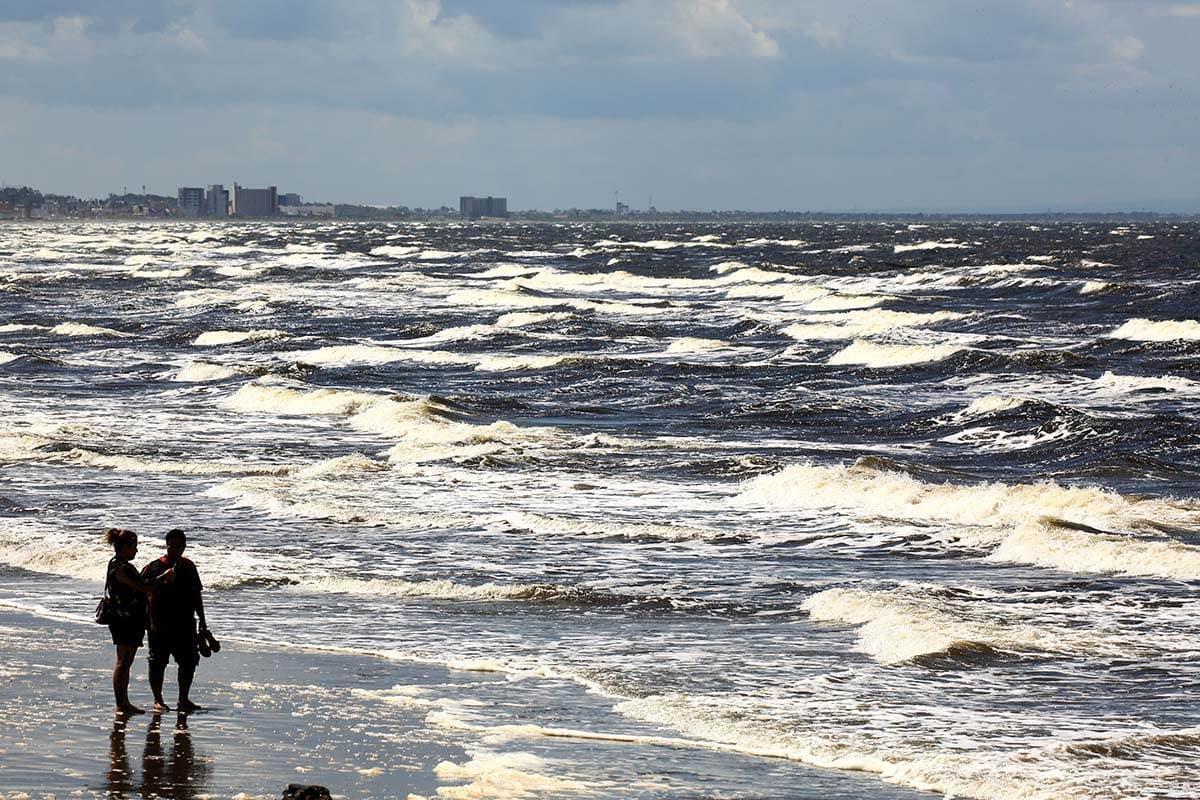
(127, 634)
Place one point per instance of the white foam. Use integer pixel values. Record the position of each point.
(7, 357)
(1124, 384)
(855, 324)
(991, 404)
(80, 329)
(1019, 522)
(874, 354)
(691, 345)
(1145, 330)
(518, 319)
(376, 354)
(503, 776)
(217, 338)
(931, 245)
(846, 302)
(14, 327)
(203, 372)
(1094, 287)
(899, 626)
(395, 251)
(500, 363)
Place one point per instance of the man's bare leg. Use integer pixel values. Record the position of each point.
(156, 685)
(186, 673)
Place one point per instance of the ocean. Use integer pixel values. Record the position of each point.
(917, 501)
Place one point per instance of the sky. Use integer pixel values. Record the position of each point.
(837, 105)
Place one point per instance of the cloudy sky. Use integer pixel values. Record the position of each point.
(751, 104)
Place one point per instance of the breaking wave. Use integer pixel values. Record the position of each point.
(855, 324)
(1145, 330)
(900, 626)
(874, 354)
(215, 338)
(203, 372)
(1043, 524)
(80, 329)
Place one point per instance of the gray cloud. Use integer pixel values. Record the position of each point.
(773, 91)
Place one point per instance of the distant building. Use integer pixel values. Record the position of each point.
(477, 207)
(289, 199)
(254, 202)
(191, 201)
(622, 209)
(216, 201)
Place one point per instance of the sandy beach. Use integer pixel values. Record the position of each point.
(364, 727)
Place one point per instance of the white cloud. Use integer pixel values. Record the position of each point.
(1127, 48)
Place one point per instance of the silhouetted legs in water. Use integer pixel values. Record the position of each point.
(186, 673)
(120, 677)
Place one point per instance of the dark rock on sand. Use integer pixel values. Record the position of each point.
(295, 791)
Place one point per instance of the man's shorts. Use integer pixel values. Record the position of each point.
(178, 643)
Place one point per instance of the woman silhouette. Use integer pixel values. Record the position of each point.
(127, 590)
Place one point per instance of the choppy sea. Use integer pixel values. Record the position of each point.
(917, 501)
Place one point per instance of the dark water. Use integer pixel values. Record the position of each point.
(912, 500)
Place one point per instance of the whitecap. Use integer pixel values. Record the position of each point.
(1145, 330)
(81, 329)
(931, 245)
(876, 355)
(216, 338)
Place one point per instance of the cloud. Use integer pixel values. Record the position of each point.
(767, 87)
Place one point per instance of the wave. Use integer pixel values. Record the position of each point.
(791, 293)
(900, 626)
(203, 372)
(39, 547)
(497, 363)
(657, 244)
(990, 404)
(847, 302)
(876, 355)
(691, 345)
(15, 327)
(930, 245)
(395, 250)
(1042, 524)
(423, 426)
(518, 319)
(80, 329)
(1127, 384)
(7, 357)
(923, 759)
(1145, 330)
(854, 324)
(215, 338)
(633, 531)
(1095, 287)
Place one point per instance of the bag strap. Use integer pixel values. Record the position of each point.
(108, 578)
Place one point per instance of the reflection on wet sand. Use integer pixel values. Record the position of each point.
(176, 774)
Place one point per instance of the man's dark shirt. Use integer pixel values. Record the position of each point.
(173, 606)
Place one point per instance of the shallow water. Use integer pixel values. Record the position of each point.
(915, 500)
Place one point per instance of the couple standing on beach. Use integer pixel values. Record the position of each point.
(172, 586)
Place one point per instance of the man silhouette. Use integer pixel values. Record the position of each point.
(174, 610)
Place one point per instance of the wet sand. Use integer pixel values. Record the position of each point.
(271, 717)
(362, 725)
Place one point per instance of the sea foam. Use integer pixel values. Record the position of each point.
(1043, 524)
(1145, 330)
(877, 355)
(216, 338)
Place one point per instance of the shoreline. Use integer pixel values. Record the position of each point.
(362, 725)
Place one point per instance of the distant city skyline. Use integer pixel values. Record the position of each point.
(840, 105)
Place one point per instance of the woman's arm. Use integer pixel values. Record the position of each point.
(128, 576)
